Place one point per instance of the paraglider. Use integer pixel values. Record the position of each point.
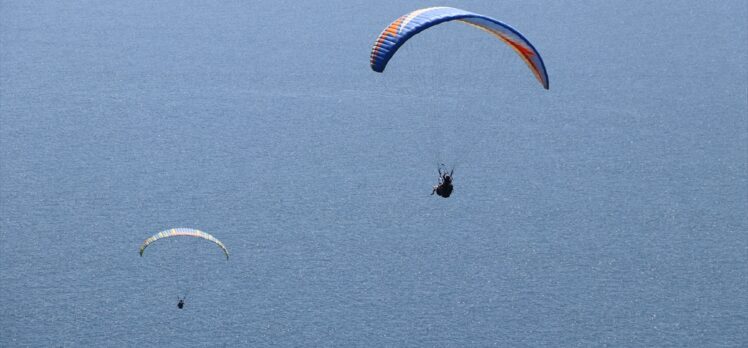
(405, 27)
(182, 232)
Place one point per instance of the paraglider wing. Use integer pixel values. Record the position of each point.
(402, 29)
(188, 232)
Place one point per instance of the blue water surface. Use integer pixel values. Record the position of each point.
(610, 210)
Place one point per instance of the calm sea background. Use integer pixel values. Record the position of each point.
(611, 210)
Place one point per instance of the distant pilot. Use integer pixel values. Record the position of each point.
(444, 188)
(180, 304)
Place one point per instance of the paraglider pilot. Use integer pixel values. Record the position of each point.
(444, 188)
(180, 304)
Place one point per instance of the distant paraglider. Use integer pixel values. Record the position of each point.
(183, 232)
(405, 27)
